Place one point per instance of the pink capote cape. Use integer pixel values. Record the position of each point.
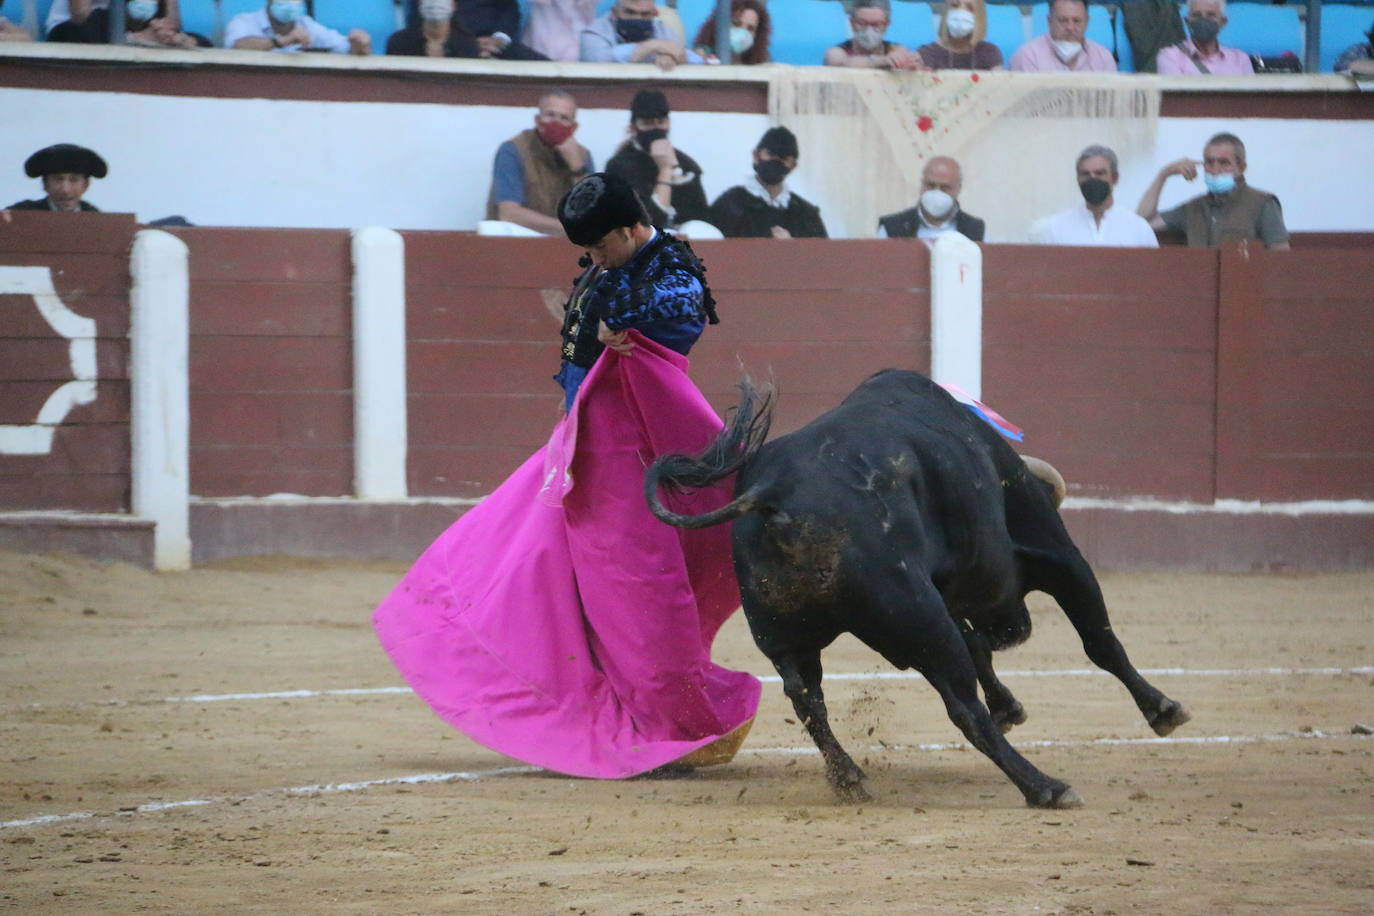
(558, 622)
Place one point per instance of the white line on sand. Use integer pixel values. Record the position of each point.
(851, 676)
(477, 775)
(767, 679)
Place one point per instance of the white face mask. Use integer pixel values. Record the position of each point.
(741, 39)
(1066, 50)
(959, 23)
(870, 38)
(436, 10)
(937, 203)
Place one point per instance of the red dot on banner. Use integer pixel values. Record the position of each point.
(925, 123)
(973, 76)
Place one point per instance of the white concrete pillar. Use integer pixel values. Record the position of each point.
(956, 313)
(379, 364)
(159, 342)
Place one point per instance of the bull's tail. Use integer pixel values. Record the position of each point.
(737, 444)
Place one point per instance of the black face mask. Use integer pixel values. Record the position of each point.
(634, 30)
(771, 171)
(1095, 190)
(646, 137)
(1203, 30)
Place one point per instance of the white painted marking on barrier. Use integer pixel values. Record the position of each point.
(478, 775)
(36, 438)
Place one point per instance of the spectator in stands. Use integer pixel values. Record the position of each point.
(959, 44)
(66, 170)
(282, 25)
(1231, 210)
(1100, 222)
(11, 32)
(82, 21)
(1065, 47)
(666, 179)
(1357, 59)
(555, 27)
(938, 210)
(1202, 53)
(536, 167)
(750, 30)
(148, 23)
(470, 28)
(868, 22)
(631, 33)
(764, 206)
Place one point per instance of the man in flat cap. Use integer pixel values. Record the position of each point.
(636, 277)
(665, 178)
(66, 170)
(764, 206)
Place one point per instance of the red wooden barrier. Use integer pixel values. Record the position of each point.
(271, 364)
(88, 255)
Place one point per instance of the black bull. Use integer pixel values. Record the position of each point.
(901, 518)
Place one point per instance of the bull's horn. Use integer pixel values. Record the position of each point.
(1046, 472)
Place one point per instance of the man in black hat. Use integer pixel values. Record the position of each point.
(764, 206)
(636, 277)
(666, 179)
(66, 170)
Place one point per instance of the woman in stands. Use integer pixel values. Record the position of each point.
(149, 23)
(750, 29)
(960, 45)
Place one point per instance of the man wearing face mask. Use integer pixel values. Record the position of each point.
(282, 25)
(1230, 211)
(1065, 48)
(535, 168)
(938, 211)
(1100, 222)
(66, 170)
(765, 207)
(1202, 53)
(666, 179)
(868, 48)
(632, 33)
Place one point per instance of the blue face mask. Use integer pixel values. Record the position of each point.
(141, 10)
(1224, 183)
(741, 39)
(287, 10)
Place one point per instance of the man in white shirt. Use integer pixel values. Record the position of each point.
(282, 25)
(1099, 221)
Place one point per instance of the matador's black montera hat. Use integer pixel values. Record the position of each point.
(596, 205)
(65, 157)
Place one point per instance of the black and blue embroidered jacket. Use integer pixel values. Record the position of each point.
(660, 292)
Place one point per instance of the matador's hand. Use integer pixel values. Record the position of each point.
(619, 341)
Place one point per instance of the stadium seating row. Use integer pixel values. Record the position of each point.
(803, 29)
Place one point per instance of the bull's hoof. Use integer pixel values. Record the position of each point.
(848, 783)
(852, 794)
(1060, 798)
(1013, 715)
(1170, 716)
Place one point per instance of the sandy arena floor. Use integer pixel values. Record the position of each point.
(118, 794)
